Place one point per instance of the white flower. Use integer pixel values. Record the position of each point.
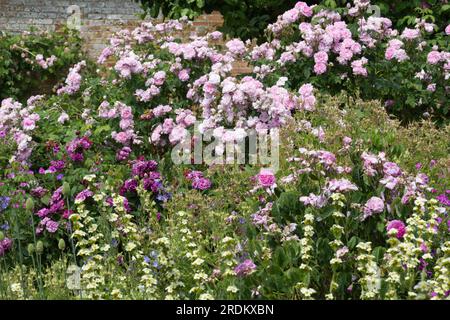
(233, 289)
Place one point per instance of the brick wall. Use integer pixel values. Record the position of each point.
(99, 19)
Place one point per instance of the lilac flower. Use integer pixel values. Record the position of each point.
(192, 175)
(372, 206)
(129, 185)
(443, 199)
(39, 192)
(83, 195)
(391, 169)
(4, 226)
(164, 196)
(4, 203)
(245, 268)
(5, 245)
(52, 226)
(76, 147)
(123, 154)
(201, 184)
(341, 185)
(141, 167)
(73, 81)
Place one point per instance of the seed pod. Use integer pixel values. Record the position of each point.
(39, 247)
(31, 248)
(61, 244)
(66, 189)
(2, 235)
(29, 204)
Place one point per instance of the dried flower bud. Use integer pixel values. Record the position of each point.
(40, 247)
(31, 248)
(61, 244)
(66, 189)
(29, 204)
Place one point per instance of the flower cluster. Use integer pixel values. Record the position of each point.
(5, 245)
(73, 80)
(76, 147)
(17, 123)
(198, 181)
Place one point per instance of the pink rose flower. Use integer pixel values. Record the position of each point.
(399, 226)
(266, 178)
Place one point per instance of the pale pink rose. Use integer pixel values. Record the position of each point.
(434, 57)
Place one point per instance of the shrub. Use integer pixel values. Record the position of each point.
(360, 55)
(88, 183)
(34, 60)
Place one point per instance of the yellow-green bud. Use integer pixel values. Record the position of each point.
(66, 189)
(31, 248)
(2, 236)
(29, 204)
(39, 247)
(61, 244)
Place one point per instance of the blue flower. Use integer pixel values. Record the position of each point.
(114, 243)
(4, 226)
(4, 203)
(164, 196)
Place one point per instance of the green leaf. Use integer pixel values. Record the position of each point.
(378, 253)
(200, 3)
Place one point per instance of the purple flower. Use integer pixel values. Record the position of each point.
(192, 175)
(266, 178)
(341, 185)
(129, 185)
(52, 226)
(123, 154)
(443, 199)
(391, 169)
(83, 195)
(373, 205)
(43, 213)
(4, 203)
(57, 195)
(399, 226)
(201, 184)
(245, 268)
(5, 245)
(164, 196)
(58, 165)
(39, 192)
(141, 167)
(76, 147)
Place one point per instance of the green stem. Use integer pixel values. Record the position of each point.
(71, 236)
(16, 228)
(41, 293)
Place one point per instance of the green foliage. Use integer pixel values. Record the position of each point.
(248, 19)
(20, 74)
(244, 19)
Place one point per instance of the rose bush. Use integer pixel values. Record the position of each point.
(34, 60)
(87, 180)
(361, 54)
